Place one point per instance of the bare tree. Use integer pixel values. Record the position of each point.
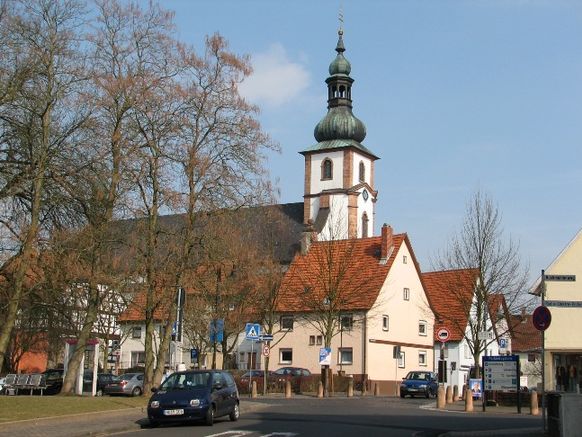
(481, 244)
(39, 126)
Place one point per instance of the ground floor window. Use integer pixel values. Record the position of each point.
(567, 372)
(285, 356)
(402, 360)
(138, 359)
(345, 355)
(422, 358)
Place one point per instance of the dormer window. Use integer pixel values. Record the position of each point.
(326, 169)
(362, 172)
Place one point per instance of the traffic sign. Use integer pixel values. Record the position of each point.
(253, 331)
(541, 318)
(266, 350)
(266, 337)
(443, 334)
(560, 278)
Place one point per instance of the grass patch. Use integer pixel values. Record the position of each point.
(34, 407)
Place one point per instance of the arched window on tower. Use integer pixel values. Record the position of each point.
(364, 225)
(342, 91)
(326, 169)
(362, 172)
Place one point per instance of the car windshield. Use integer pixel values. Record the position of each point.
(127, 376)
(186, 381)
(418, 376)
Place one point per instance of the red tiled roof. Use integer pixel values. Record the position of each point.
(524, 336)
(135, 311)
(450, 293)
(355, 269)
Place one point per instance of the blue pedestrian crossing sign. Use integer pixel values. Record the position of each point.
(253, 331)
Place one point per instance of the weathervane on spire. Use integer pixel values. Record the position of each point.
(341, 20)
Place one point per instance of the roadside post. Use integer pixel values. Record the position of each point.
(252, 331)
(443, 335)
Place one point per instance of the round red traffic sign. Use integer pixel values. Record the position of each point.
(266, 350)
(443, 334)
(541, 318)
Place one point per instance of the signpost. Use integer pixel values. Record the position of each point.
(541, 318)
(501, 373)
(253, 332)
(443, 334)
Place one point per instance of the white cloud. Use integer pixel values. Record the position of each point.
(276, 80)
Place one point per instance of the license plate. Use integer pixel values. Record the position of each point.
(173, 412)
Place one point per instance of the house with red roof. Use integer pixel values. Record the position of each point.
(452, 294)
(371, 291)
(526, 342)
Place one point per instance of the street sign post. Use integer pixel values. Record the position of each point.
(252, 331)
(443, 334)
(266, 350)
(541, 318)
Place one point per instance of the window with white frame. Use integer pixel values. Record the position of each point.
(285, 356)
(422, 328)
(136, 332)
(385, 322)
(422, 358)
(287, 323)
(402, 360)
(406, 294)
(345, 355)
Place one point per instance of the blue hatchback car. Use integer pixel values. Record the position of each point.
(419, 382)
(194, 395)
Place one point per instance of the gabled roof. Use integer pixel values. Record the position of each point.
(363, 273)
(450, 293)
(524, 336)
(135, 311)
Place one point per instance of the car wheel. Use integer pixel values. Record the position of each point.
(235, 414)
(154, 423)
(427, 394)
(136, 391)
(402, 395)
(99, 392)
(209, 419)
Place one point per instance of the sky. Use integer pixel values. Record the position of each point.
(456, 96)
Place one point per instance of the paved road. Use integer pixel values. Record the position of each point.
(361, 417)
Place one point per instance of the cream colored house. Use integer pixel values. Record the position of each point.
(562, 294)
(370, 290)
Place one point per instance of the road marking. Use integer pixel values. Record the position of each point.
(232, 433)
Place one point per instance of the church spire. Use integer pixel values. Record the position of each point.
(340, 123)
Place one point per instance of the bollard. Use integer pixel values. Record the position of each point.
(376, 389)
(455, 393)
(449, 395)
(364, 388)
(441, 397)
(533, 404)
(287, 389)
(468, 400)
(464, 390)
(254, 390)
(350, 387)
(320, 390)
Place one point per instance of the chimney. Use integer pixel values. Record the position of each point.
(523, 315)
(387, 243)
(308, 236)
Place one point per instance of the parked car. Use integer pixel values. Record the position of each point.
(194, 395)
(53, 381)
(103, 379)
(2, 383)
(257, 375)
(129, 384)
(285, 373)
(419, 382)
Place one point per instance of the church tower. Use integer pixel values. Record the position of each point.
(339, 197)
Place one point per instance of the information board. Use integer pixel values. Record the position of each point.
(501, 373)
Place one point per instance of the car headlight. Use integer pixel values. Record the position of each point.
(195, 403)
(154, 404)
(402, 385)
(422, 386)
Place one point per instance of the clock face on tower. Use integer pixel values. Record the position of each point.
(365, 195)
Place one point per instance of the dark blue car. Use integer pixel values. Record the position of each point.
(420, 383)
(194, 395)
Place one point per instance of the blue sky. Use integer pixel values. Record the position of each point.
(456, 96)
